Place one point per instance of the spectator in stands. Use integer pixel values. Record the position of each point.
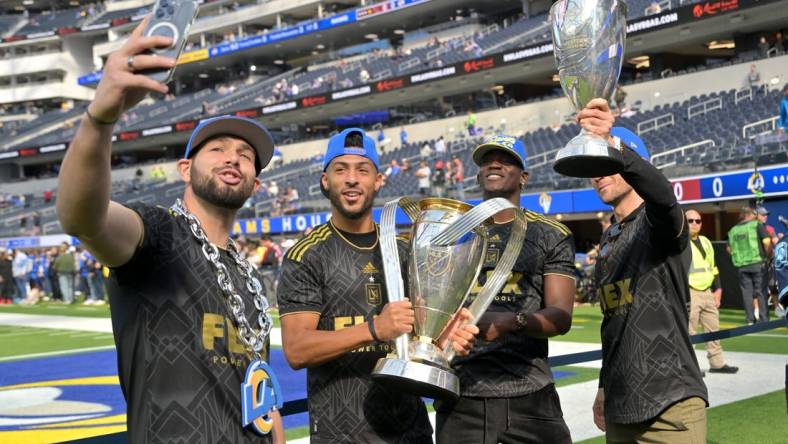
(363, 75)
(403, 136)
(405, 166)
(291, 197)
(273, 189)
(470, 123)
(763, 46)
(7, 286)
(778, 43)
(749, 246)
(36, 223)
(208, 109)
(426, 151)
(457, 177)
(423, 174)
(439, 179)
(705, 292)
(653, 8)
(620, 98)
(66, 267)
(22, 267)
(753, 76)
(277, 158)
(440, 148)
(381, 136)
(392, 170)
(783, 124)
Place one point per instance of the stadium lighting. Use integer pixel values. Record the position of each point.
(640, 62)
(656, 94)
(721, 44)
(27, 2)
(556, 78)
(399, 31)
(371, 36)
(202, 75)
(774, 80)
(320, 46)
(279, 62)
(253, 68)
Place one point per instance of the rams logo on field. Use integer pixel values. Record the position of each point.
(60, 410)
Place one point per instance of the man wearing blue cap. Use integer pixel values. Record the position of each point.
(650, 385)
(184, 341)
(336, 321)
(507, 389)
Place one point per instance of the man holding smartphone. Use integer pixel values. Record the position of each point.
(183, 351)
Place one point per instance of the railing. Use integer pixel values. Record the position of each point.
(542, 158)
(174, 191)
(742, 94)
(702, 108)
(680, 151)
(382, 75)
(664, 5)
(656, 123)
(410, 63)
(314, 189)
(433, 53)
(764, 126)
(51, 227)
(259, 206)
(536, 30)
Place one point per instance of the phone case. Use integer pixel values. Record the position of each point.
(171, 18)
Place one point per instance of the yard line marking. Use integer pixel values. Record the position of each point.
(57, 353)
(768, 335)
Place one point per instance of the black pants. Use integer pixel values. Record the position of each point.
(533, 418)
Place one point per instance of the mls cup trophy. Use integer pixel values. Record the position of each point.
(588, 44)
(448, 243)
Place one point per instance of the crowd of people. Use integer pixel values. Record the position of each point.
(58, 274)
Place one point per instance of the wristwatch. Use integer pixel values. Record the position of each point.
(520, 320)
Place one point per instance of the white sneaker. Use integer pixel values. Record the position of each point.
(88, 302)
(99, 302)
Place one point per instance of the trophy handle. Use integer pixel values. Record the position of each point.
(395, 288)
(499, 276)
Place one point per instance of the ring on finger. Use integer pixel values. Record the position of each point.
(130, 63)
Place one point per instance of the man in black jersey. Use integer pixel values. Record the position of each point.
(650, 385)
(180, 358)
(507, 390)
(336, 321)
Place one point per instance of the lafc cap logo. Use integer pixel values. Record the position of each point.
(505, 141)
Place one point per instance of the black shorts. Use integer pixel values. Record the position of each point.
(532, 418)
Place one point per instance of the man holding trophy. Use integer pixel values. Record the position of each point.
(507, 391)
(650, 384)
(336, 314)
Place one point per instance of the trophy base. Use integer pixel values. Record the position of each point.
(417, 378)
(588, 156)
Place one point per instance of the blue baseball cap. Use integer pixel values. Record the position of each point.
(336, 148)
(631, 140)
(252, 131)
(510, 144)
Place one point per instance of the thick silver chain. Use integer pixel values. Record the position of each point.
(252, 338)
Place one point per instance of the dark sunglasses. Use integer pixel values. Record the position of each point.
(694, 221)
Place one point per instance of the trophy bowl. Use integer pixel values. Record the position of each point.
(448, 242)
(439, 280)
(588, 45)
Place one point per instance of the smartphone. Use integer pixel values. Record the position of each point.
(171, 18)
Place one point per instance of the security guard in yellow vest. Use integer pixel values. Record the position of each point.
(705, 293)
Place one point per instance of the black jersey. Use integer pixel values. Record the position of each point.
(326, 273)
(180, 359)
(515, 364)
(648, 362)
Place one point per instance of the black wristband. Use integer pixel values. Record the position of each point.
(98, 121)
(371, 324)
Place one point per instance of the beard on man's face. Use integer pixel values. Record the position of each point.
(220, 194)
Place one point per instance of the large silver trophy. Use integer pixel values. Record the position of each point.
(588, 44)
(448, 242)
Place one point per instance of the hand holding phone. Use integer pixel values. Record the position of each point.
(172, 19)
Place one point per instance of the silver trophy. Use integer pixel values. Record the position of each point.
(448, 242)
(588, 44)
